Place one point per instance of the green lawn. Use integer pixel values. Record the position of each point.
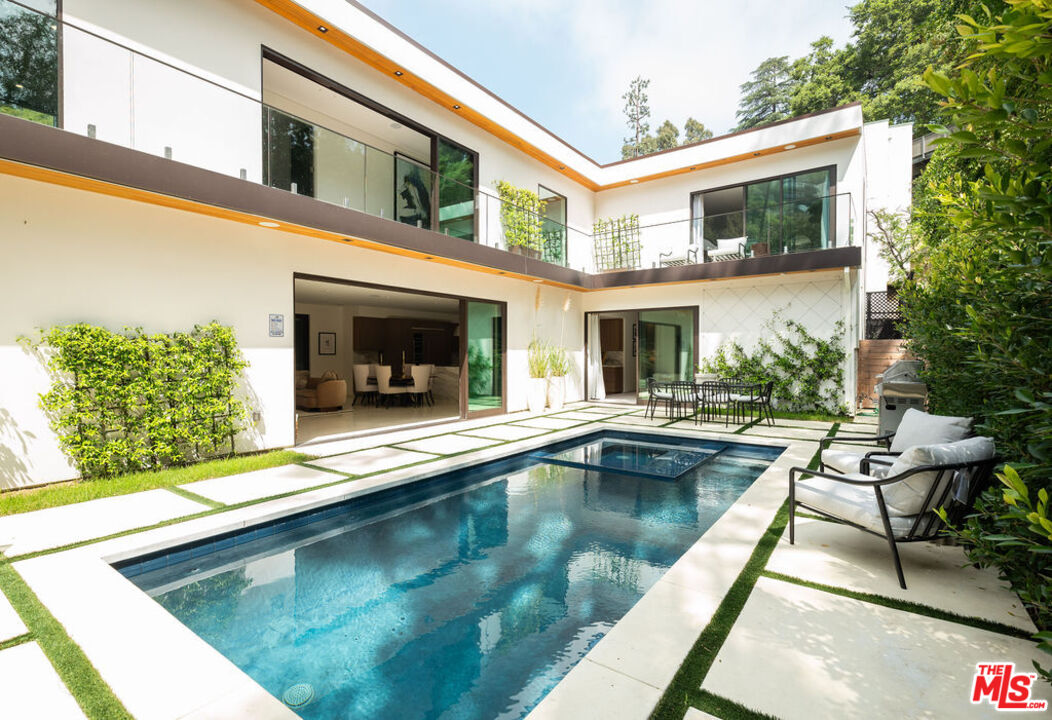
(21, 501)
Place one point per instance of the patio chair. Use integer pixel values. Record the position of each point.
(916, 428)
(655, 394)
(684, 399)
(728, 249)
(899, 507)
(363, 389)
(713, 401)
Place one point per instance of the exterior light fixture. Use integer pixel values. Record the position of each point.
(633, 181)
(399, 73)
(562, 167)
(537, 281)
(456, 107)
(323, 29)
(790, 146)
(269, 224)
(755, 154)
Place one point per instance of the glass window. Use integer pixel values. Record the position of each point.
(666, 345)
(456, 191)
(413, 184)
(29, 62)
(806, 211)
(485, 355)
(763, 215)
(553, 226)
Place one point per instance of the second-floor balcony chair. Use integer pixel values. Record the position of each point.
(728, 249)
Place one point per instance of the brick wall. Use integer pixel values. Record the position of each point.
(874, 357)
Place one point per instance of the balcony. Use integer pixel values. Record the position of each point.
(120, 96)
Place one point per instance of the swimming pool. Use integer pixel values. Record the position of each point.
(469, 594)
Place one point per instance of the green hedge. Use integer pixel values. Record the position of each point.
(128, 402)
(807, 371)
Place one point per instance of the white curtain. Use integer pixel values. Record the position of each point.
(596, 388)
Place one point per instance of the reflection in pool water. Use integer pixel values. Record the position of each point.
(467, 596)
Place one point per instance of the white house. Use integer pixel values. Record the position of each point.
(313, 178)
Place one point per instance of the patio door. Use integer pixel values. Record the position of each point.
(482, 359)
(666, 340)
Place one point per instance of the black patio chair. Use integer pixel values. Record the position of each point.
(657, 393)
(860, 500)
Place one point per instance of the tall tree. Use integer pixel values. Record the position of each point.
(637, 112)
(765, 98)
(695, 131)
(667, 136)
(821, 79)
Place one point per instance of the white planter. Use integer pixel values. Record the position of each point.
(535, 393)
(556, 392)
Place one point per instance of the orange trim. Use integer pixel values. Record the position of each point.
(334, 36)
(54, 177)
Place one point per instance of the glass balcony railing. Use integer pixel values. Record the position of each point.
(117, 94)
(802, 225)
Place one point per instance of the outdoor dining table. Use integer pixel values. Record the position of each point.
(707, 398)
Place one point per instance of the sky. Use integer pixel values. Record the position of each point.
(566, 63)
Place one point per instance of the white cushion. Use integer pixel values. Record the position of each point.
(907, 497)
(728, 245)
(844, 461)
(854, 503)
(920, 428)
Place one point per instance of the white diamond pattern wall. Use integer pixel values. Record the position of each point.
(741, 313)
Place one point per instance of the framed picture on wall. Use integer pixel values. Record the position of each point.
(326, 343)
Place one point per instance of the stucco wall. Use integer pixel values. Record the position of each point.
(120, 263)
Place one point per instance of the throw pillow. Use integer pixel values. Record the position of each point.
(920, 428)
(906, 498)
(330, 375)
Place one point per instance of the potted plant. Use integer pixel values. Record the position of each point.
(559, 367)
(522, 217)
(537, 359)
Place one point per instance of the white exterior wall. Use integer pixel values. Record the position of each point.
(119, 263)
(889, 171)
(668, 200)
(213, 128)
(740, 309)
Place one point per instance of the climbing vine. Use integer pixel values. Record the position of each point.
(124, 402)
(807, 371)
(522, 215)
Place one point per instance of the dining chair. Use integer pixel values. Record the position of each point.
(383, 381)
(657, 393)
(713, 401)
(363, 388)
(421, 375)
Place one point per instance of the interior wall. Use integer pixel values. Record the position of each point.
(327, 318)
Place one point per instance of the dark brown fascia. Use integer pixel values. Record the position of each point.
(30, 143)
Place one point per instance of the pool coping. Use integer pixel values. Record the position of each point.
(120, 628)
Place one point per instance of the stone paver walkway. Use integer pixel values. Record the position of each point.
(32, 688)
(234, 489)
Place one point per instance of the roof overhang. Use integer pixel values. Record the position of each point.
(362, 34)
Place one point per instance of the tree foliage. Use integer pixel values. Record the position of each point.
(695, 131)
(979, 309)
(765, 98)
(637, 113)
(28, 65)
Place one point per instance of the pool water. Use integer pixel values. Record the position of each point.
(467, 595)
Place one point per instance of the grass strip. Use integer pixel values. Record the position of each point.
(72, 665)
(201, 499)
(684, 686)
(17, 640)
(905, 606)
(726, 709)
(20, 501)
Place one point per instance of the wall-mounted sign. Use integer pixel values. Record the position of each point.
(277, 325)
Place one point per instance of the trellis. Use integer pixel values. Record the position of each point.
(616, 243)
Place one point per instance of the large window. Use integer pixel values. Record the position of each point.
(785, 214)
(29, 61)
(457, 168)
(553, 226)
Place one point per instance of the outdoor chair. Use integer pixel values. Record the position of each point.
(713, 401)
(916, 428)
(655, 394)
(728, 249)
(363, 389)
(900, 507)
(684, 400)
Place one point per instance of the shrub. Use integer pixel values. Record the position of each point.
(128, 402)
(807, 371)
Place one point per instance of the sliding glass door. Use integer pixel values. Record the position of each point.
(666, 346)
(484, 360)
